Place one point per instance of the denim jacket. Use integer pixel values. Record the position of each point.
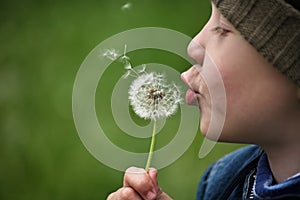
(245, 174)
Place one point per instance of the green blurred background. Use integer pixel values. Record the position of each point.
(42, 44)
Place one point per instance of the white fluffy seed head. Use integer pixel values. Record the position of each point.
(152, 98)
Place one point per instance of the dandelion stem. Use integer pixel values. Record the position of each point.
(151, 146)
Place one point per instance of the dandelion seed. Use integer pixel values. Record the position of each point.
(111, 54)
(126, 74)
(125, 59)
(126, 6)
(142, 70)
(127, 66)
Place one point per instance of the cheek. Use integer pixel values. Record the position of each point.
(234, 85)
(241, 74)
(213, 107)
(241, 85)
(205, 110)
(257, 96)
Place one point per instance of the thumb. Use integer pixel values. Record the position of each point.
(160, 194)
(153, 175)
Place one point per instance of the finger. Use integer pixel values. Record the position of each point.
(125, 193)
(141, 182)
(160, 195)
(153, 175)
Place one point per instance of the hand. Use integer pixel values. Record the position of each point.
(139, 185)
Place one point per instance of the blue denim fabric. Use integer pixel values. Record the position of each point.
(229, 178)
(265, 189)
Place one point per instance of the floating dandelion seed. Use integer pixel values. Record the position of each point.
(126, 6)
(125, 59)
(111, 54)
(142, 70)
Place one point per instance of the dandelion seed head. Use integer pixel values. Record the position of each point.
(152, 98)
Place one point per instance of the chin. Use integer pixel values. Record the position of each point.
(205, 119)
(203, 126)
(210, 136)
(213, 136)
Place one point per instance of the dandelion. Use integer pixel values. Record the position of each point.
(150, 96)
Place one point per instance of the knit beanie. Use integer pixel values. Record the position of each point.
(272, 27)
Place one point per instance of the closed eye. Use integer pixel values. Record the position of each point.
(220, 30)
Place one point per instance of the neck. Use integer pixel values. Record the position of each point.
(284, 161)
(283, 155)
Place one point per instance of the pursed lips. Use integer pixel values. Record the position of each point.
(192, 94)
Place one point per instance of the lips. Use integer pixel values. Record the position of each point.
(191, 98)
(191, 94)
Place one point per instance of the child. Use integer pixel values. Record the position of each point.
(255, 46)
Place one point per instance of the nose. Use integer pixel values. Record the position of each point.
(196, 49)
(196, 52)
(191, 78)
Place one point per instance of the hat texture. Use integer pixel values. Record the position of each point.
(272, 27)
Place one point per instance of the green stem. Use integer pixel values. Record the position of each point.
(151, 146)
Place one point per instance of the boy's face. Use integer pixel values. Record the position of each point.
(259, 99)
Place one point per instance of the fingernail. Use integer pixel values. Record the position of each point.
(151, 195)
